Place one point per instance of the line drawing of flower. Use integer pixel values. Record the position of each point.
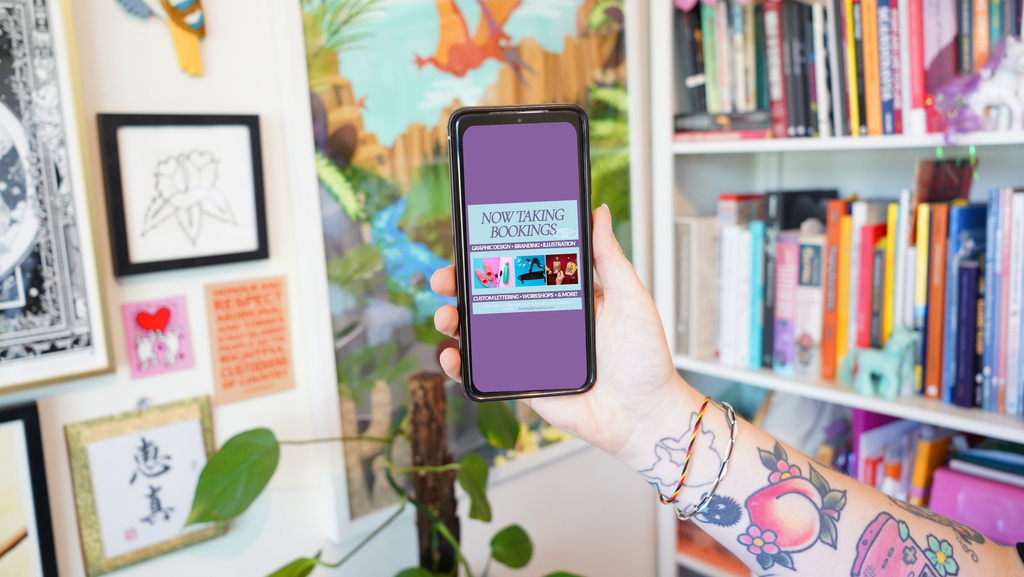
(783, 471)
(940, 553)
(757, 541)
(186, 190)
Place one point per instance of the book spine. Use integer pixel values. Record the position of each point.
(982, 37)
(885, 67)
(793, 36)
(873, 90)
(858, 214)
(739, 75)
(788, 260)
(936, 301)
(809, 70)
(723, 56)
(951, 336)
(729, 290)
(995, 21)
(965, 36)
(862, 91)
(877, 288)
(889, 286)
(915, 57)
(1013, 332)
(851, 34)
(843, 289)
(756, 293)
(989, 336)
(896, 64)
(707, 27)
(809, 307)
(721, 135)
(1003, 277)
(864, 293)
(760, 45)
(824, 97)
(772, 230)
(967, 297)
(902, 243)
(921, 290)
(939, 27)
(833, 234)
(749, 57)
(742, 302)
(836, 48)
(979, 338)
(774, 48)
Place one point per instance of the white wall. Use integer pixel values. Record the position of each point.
(586, 512)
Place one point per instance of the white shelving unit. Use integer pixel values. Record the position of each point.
(687, 178)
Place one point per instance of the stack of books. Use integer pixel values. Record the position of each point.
(805, 277)
(787, 68)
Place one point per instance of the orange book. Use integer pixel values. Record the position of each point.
(872, 82)
(931, 454)
(843, 284)
(833, 236)
(936, 301)
(981, 33)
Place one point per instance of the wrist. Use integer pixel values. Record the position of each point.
(669, 418)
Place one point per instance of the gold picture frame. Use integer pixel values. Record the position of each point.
(109, 546)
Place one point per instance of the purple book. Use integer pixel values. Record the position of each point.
(964, 394)
(787, 272)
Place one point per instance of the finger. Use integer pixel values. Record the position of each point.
(446, 320)
(451, 362)
(612, 266)
(443, 281)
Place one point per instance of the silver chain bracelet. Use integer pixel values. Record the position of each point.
(730, 416)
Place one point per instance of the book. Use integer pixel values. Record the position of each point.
(738, 50)
(831, 266)
(863, 213)
(900, 317)
(936, 300)
(708, 122)
(742, 209)
(965, 36)
(889, 284)
(843, 289)
(921, 285)
(860, 66)
(990, 335)
(777, 85)
(877, 287)
(867, 295)
(853, 89)
(939, 43)
(872, 86)
(979, 337)
(696, 239)
(836, 52)
(1003, 294)
(931, 454)
(966, 241)
(728, 266)
(940, 181)
(761, 71)
(793, 68)
(900, 90)
(982, 20)
(916, 122)
(885, 68)
(785, 210)
(723, 57)
(707, 30)
(809, 69)
(823, 96)
(965, 348)
(786, 277)
(756, 293)
(722, 135)
(809, 306)
(742, 302)
(1014, 391)
(749, 55)
(689, 63)
(970, 468)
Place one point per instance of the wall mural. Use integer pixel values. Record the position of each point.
(384, 77)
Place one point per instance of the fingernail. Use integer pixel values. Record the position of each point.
(605, 206)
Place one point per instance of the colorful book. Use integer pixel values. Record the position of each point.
(707, 28)
(931, 454)
(742, 302)
(822, 94)
(939, 30)
(966, 241)
(807, 63)
(1003, 277)
(843, 342)
(991, 334)
(853, 89)
(872, 87)
(1016, 299)
(774, 47)
(722, 135)
(809, 306)
(921, 284)
(939, 234)
(889, 285)
(749, 55)
(899, 69)
(723, 57)
(995, 21)
(707, 122)
(739, 70)
(756, 293)
(863, 213)
(761, 70)
(965, 36)
(689, 63)
(833, 240)
(786, 277)
(902, 245)
(871, 235)
(965, 349)
(885, 67)
(982, 20)
(916, 121)
(877, 287)
(861, 66)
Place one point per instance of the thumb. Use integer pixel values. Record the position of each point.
(612, 266)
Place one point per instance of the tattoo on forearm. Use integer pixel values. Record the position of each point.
(790, 514)
(669, 454)
(965, 535)
(886, 549)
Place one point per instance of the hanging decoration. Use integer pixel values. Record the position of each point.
(186, 22)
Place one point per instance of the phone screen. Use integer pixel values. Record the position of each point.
(522, 203)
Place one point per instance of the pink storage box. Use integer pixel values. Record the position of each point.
(996, 509)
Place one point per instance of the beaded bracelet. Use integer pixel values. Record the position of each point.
(686, 461)
(730, 416)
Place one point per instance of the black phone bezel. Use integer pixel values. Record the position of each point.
(458, 123)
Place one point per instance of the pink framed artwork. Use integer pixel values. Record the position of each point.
(157, 336)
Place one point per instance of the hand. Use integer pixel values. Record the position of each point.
(559, 277)
(636, 379)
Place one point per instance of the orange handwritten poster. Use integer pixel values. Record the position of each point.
(251, 345)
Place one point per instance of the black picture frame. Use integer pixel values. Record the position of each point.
(109, 124)
(29, 417)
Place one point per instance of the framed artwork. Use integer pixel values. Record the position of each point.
(158, 336)
(51, 315)
(182, 190)
(135, 476)
(26, 536)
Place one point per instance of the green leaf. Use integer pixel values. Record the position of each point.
(297, 568)
(784, 559)
(764, 560)
(473, 478)
(819, 482)
(904, 530)
(497, 424)
(834, 500)
(780, 453)
(416, 572)
(562, 574)
(768, 460)
(512, 547)
(235, 476)
(828, 530)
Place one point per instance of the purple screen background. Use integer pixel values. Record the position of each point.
(525, 351)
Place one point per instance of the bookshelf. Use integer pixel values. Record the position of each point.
(704, 568)
(687, 177)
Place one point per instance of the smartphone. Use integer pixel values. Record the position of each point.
(520, 180)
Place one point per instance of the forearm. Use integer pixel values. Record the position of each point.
(778, 511)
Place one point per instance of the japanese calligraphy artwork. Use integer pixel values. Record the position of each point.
(135, 475)
(250, 339)
(26, 539)
(157, 336)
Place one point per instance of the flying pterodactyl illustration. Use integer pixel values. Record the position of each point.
(186, 22)
(458, 53)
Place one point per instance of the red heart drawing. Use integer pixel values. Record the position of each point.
(157, 322)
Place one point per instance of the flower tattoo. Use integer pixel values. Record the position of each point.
(757, 541)
(783, 471)
(940, 553)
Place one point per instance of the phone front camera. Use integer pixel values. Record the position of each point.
(519, 120)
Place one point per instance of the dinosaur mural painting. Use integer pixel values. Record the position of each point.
(458, 53)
